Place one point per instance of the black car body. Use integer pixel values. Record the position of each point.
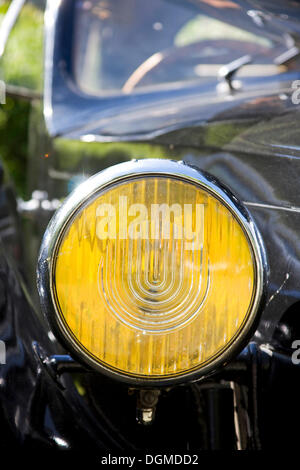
(242, 130)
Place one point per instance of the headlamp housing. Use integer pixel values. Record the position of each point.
(152, 272)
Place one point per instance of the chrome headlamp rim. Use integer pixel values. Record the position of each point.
(89, 189)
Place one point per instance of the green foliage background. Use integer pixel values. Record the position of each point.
(21, 65)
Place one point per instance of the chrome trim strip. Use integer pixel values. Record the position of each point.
(271, 206)
(50, 17)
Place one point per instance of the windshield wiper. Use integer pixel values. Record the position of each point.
(287, 56)
(227, 72)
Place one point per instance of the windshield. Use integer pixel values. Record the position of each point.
(123, 46)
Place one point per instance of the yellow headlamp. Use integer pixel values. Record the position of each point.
(152, 272)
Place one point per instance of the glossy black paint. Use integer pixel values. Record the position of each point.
(250, 141)
(70, 111)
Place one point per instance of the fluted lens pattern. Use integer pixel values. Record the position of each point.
(154, 277)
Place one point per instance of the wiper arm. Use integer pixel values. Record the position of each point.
(227, 72)
(287, 56)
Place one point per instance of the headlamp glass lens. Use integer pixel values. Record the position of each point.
(153, 277)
